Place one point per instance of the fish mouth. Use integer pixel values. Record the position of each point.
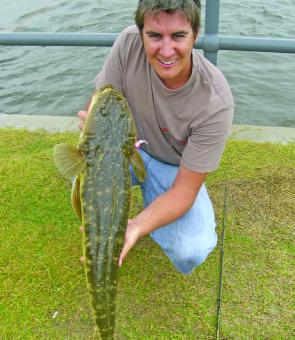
(106, 89)
(110, 88)
(102, 92)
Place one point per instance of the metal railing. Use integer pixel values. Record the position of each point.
(211, 42)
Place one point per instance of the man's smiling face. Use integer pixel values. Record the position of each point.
(168, 40)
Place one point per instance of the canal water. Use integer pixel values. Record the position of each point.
(58, 80)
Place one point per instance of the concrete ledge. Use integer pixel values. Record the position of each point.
(262, 134)
(48, 123)
(60, 124)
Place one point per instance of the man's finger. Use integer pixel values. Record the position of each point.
(81, 126)
(82, 115)
(121, 258)
(123, 254)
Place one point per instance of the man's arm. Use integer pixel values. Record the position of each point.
(164, 209)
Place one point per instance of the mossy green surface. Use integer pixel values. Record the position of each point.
(42, 284)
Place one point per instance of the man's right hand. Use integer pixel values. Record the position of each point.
(82, 115)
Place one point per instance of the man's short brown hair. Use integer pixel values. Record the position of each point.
(190, 8)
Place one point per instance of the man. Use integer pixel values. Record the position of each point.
(183, 109)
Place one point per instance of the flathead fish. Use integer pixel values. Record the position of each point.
(101, 194)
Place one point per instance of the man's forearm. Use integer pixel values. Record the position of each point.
(165, 209)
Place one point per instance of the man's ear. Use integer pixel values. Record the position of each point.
(141, 33)
(197, 33)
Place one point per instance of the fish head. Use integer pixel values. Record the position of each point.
(109, 124)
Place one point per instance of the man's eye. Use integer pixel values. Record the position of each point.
(153, 35)
(178, 36)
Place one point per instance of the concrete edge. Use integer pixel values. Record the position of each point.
(271, 134)
(261, 134)
(34, 122)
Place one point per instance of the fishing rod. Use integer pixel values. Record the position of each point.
(224, 220)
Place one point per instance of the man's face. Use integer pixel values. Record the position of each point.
(168, 41)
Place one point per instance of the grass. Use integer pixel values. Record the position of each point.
(42, 283)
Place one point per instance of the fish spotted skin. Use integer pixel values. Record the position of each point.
(101, 194)
(107, 143)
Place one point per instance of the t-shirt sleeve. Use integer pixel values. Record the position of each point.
(206, 142)
(112, 70)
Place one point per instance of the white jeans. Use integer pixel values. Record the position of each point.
(188, 240)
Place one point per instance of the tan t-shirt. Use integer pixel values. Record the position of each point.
(187, 126)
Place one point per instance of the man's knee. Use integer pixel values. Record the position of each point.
(188, 259)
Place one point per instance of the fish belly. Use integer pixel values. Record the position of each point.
(106, 204)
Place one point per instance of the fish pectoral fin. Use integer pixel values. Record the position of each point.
(75, 197)
(68, 160)
(138, 166)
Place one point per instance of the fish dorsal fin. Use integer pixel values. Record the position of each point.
(68, 160)
(75, 196)
(138, 166)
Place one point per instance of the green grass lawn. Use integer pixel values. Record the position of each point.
(42, 285)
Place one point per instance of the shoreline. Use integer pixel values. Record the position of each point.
(255, 133)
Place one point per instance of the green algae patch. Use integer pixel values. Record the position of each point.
(42, 283)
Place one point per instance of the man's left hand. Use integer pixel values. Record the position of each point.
(132, 235)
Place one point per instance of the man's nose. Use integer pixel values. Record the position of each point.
(167, 49)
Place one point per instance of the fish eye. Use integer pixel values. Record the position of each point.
(103, 111)
(124, 110)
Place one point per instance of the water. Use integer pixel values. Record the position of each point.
(58, 80)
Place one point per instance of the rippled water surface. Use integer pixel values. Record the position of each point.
(58, 80)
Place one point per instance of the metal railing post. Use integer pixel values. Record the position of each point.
(211, 40)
